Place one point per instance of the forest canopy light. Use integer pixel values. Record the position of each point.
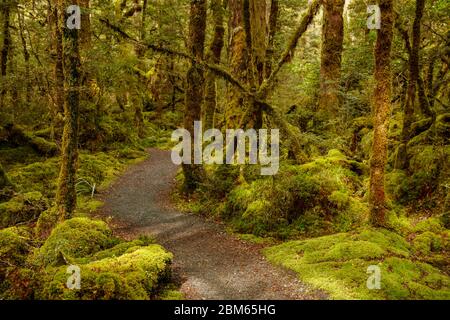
(235, 140)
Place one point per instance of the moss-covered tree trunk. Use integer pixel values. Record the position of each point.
(402, 153)
(238, 60)
(213, 56)
(66, 197)
(273, 28)
(193, 173)
(5, 14)
(382, 106)
(248, 31)
(332, 47)
(56, 54)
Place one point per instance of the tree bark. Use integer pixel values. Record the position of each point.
(213, 56)
(193, 173)
(402, 153)
(66, 197)
(238, 56)
(6, 45)
(382, 106)
(56, 53)
(273, 28)
(331, 58)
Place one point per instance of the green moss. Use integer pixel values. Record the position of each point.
(22, 208)
(431, 224)
(131, 276)
(338, 264)
(256, 240)
(75, 238)
(39, 176)
(320, 196)
(428, 242)
(14, 246)
(171, 293)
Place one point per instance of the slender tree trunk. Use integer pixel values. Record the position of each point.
(213, 56)
(331, 58)
(6, 45)
(26, 58)
(193, 173)
(273, 28)
(402, 153)
(66, 197)
(382, 105)
(58, 71)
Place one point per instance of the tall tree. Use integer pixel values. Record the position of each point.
(193, 173)
(56, 53)
(402, 157)
(273, 28)
(238, 58)
(5, 13)
(213, 56)
(382, 106)
(331, 58)
(66, 197)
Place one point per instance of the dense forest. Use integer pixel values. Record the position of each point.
(92, 91)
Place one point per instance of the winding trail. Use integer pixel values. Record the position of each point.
(208, 262)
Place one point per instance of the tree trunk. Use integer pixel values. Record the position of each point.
(273, 28)
(331, 58)
(402, 153)
(193, 173)
(248, 31)
(6, 45)
(213, 56)
(238, 57)
(58, 71)
(66, 197)
(26, 58)
(382, 105)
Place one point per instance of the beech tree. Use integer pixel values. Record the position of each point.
(381, 112)
(193, 173)
(66, 197)
(331, 58)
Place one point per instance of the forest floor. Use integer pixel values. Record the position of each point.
(209, 263)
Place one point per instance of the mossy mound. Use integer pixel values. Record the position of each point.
(38, 176)
(131, 276)
(22, 208)
(15, 246)
(75, 238)
(325, 195)
(339, 265)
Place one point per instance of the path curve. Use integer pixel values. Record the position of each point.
(208, 262)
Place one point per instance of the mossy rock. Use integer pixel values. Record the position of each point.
(132, 276)
(339, 265)
(22, 208)
(75, 238)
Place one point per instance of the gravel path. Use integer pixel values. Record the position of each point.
(208, 262)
